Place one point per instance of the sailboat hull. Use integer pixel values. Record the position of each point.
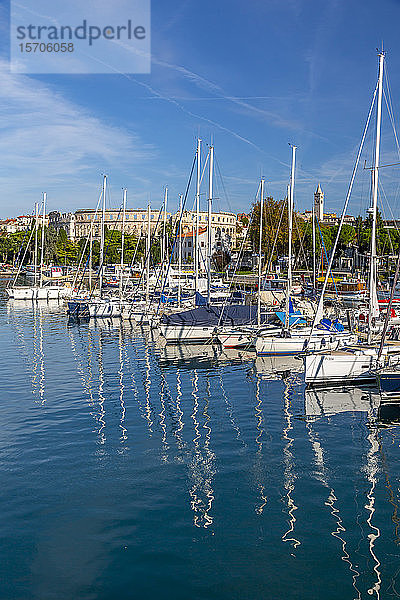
(281, 346)
(342, 367)
(190, 334)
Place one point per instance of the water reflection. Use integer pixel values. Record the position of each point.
(277, 367)
(259, 463)
(372, 470)
(209, 421)
(121, 348)
(201, 466)
(320, 402)
(289, 471)
(30, 338)
(323, 475)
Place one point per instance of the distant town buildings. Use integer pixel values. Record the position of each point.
(77, 225)
(223, 225)
(324, 219)
(20, 223)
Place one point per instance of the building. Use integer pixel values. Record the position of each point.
(64, 221)
(319, 203)
(324, 219)
(20, 223)
(187, 240)
(77, 225)
(223, 224)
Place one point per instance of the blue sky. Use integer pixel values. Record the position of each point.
(253, 76)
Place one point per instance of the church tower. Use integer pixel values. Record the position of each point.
(319, 203)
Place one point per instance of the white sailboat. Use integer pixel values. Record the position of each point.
(359, 363)
(291, 340)
(45, 290)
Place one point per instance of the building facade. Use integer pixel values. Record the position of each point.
(223, 224)
(64, 221)
(77, 225)
(21, 223)
(187, 241)
(319, 203)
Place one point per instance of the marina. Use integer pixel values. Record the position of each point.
(200, 300)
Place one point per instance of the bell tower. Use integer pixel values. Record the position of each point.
(319, 203)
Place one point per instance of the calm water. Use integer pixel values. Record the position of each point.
(133, 471)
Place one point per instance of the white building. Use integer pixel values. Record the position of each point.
(219, 243)
(20, 223)
(223, 224)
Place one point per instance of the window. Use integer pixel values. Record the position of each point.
(189, 244)
(111, 217)
(152, 217)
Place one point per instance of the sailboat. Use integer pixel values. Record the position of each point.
(43, 291)
(360, 363)
(291, 340)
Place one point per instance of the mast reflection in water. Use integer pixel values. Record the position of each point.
(186, 472)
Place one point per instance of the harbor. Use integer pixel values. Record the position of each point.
(200, 300)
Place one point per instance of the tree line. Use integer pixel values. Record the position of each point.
(59, 250)
(275, 234)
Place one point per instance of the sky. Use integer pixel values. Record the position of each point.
(250, 77)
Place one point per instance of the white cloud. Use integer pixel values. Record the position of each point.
(49, 143)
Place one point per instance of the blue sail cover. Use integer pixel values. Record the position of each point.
(295, 318)
(208, 316)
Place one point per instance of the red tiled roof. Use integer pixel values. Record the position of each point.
(190, 234)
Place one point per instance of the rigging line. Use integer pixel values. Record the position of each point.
(204, 167)
(87, 239)
(178, 229)
(26, 250)
(148, 253)
(276, 236)
(138, 240)
(110, 239)
(326, 254)
(223, 184)
(382, 191)
(349, 190)
(389, 105)
(238, 261)
(13, 280)
(301, 238)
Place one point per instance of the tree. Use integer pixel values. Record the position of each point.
(275, 229)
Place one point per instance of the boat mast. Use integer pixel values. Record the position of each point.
(36, 239)
(180, 249)
(122, 240)
(290, 218)
(102, 232)
(209, 237)
(148, 256)
(42, 249)
(163, 246)
(91, 254)
(259, 252)
(196, 251)
(314, 279)
(373, 277)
